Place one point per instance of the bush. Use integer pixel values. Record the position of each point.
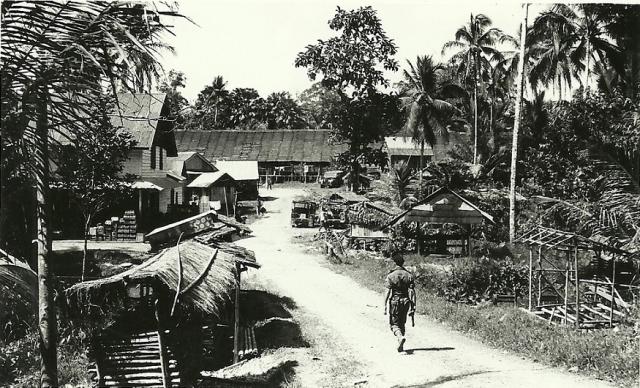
(20, 359)
(473, 281)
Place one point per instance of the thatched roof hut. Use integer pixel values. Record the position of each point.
(205, 275)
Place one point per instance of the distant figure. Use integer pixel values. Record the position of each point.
(259, 206)
(269, 183)
(400, 298)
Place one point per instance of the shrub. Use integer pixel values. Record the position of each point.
(471, 280)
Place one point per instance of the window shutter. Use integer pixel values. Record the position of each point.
(153, 157)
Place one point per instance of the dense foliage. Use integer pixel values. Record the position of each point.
(351, 64)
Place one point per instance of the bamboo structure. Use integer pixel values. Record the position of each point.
(561, 295)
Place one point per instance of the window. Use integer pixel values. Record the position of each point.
(160, 151)
(153, 158)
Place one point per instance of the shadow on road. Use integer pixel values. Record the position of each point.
(410, 351)
(444, 379)
(275, 326)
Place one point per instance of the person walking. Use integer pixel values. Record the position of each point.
(269, 183)
(400, 299)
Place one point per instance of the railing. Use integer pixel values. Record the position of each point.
(308, 178)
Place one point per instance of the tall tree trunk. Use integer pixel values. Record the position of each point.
(516, 127)
(632, 76)
(475, 122)
(46, 307)
(215, 114)
(492, 133)
(421, 168)
(586, 83)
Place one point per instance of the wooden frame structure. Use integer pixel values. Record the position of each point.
(556, 291)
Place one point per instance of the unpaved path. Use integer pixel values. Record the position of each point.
(441, 357)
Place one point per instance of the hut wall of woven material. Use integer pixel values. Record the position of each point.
(161, 271)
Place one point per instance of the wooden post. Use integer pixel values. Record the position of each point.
(226, 205)
(566, 292)
(235, 202)
(575, 263)
(530, 278)
(539, 274)
(236, 317)
(164, 361)
(139, 203)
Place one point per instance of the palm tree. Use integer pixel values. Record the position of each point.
(476, 44)
(566, 39)
(57, 58)
(516, 126)
(218, 90)
(401, 176)
(425, 100)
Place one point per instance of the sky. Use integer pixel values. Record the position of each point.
(253, 43)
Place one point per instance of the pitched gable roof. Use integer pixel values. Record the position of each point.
(434, 209)
(240, 170)
(145, 117)
(178, 164)
(207, 179)
(277, 145)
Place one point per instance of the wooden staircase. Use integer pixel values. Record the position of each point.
(135, 360)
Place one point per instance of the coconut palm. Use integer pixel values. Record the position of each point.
(566, 39)
(429, 112)
(218, 90)
(57, 58)
(476, 49)
(516, 126)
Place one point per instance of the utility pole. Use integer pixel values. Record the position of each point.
(516, 125)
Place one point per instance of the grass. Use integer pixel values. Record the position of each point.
(611, 355)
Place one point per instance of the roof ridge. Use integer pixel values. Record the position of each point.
(255, 130)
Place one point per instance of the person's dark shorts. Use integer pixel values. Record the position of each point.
(399, 308)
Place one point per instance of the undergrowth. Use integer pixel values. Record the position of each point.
(605, 354)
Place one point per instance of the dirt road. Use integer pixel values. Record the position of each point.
(437, 357)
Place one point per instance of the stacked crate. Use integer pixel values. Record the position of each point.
(108, 230)
(127, 226)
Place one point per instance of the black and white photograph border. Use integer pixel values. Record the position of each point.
(286, 193)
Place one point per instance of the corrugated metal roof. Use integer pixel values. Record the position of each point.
(139, 115)
(278, 145)
(240, 170)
